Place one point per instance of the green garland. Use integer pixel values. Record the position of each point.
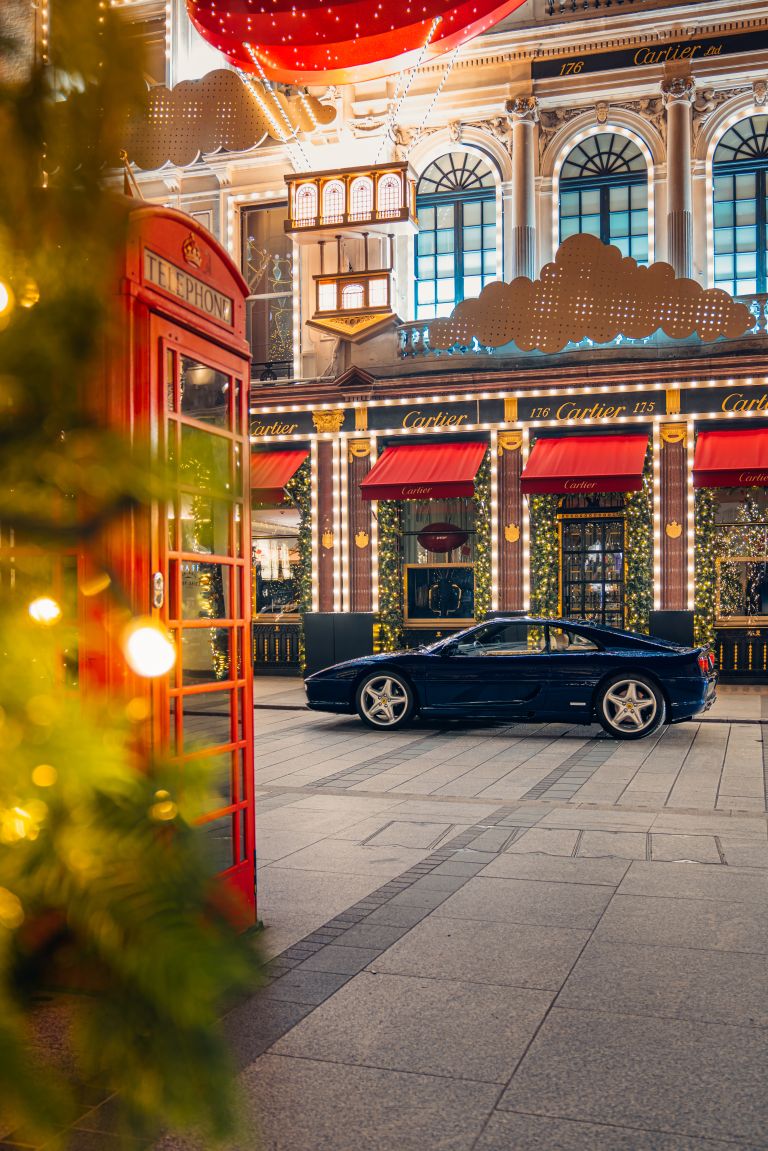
(545, 555)
(300, 490)
(638, 558)
(390, 620)
(704, 567)
(483, 539)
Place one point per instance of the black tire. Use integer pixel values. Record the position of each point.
(385, 701)
(630, 706)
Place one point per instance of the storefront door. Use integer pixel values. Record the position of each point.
(592, 568)
(205, 548)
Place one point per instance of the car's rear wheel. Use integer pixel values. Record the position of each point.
(631, 707)
(385, 701)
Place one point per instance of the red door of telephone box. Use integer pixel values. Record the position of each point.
(177, 382)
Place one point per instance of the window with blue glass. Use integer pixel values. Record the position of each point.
(604, 192)
(456, 245)
(739, 168)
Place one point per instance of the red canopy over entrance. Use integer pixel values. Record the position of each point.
(581, 464)
(271, 471)
(424, 472)
(734, 459)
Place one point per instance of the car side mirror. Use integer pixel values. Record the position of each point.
(448, 651)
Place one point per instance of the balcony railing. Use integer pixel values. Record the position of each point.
(413, 338)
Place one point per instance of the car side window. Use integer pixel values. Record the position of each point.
(504, 639)
(564, 639)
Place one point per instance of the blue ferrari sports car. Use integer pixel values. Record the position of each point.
(527, 669)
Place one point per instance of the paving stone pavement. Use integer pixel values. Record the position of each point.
(504, 937)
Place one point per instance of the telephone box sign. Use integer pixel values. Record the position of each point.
(189, 289)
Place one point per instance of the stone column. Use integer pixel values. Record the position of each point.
(523, 114)
(325, 527)
(358, 465)
(674, 518)
(678, 95)
(510, 513)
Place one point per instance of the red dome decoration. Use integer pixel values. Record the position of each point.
(441, 537)
(340, 41)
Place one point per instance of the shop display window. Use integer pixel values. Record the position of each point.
(741, 559)
(438, 552)
(275, 561)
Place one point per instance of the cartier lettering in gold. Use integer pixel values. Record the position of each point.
(277, 428)
(414, 419)
(738, 402)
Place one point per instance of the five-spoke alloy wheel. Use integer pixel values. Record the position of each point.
(630, 707)
(385, 700)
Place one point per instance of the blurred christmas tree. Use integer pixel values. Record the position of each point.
(104, 888)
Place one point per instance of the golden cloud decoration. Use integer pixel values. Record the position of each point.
(217, 113)
(590, 291)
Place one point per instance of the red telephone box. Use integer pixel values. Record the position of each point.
(178, 379)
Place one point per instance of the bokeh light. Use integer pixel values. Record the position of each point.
(147, 648)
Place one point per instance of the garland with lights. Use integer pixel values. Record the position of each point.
(544, 555)
(704, 567)
(390, 619)
(299, 489)
(747, 537)
(638, 559)
(483, 539)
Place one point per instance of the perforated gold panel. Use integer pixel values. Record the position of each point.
(208, 115)
(590, 291)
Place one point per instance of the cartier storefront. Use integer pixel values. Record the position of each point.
(639, 502)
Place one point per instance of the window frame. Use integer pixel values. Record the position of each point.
(459, 199)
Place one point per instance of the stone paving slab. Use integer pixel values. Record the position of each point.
(507, 955)
(702, 924)
(524, 901)
(709, 986)
(511, 1132)
(691, 1079)
(431, 1026)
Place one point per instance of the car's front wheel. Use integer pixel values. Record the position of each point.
(385, 701)
(630, 707)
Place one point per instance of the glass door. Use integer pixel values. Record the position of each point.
(592, 567)
(206, 534)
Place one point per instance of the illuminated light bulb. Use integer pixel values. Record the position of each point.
(6, 299)
(45, 610)
(147, 648)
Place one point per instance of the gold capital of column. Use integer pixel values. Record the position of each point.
(359, 449)
(329, 420)
(673, 434)
(509, 441)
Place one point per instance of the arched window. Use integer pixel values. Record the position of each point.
(352, 297)
(361, 198)
(604, 192)
(456, 245)
(334, 195)
(740, 188)
(305, 203)
(389, 195)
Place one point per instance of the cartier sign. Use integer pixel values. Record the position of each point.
(418, 417)
(592, 406)
(738, 399)
(650, 54)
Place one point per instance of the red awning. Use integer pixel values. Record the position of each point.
(583, 464)
(424, 472)
(736, 459)
(271, 471)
